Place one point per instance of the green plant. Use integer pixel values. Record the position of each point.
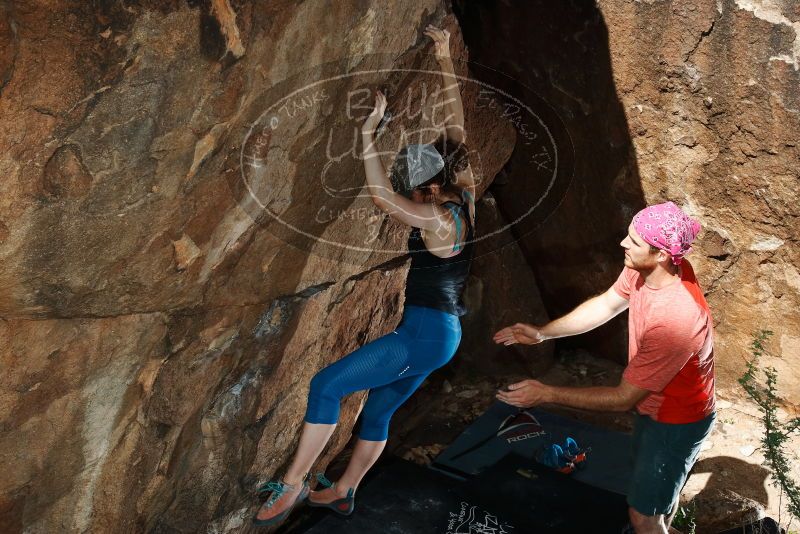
(684, 519)
(776, 433)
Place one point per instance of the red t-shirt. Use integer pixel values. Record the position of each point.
(670, 346)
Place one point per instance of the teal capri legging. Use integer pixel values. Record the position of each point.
(392, 367)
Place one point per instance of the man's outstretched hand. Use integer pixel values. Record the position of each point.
(526, 334)
(525, 394)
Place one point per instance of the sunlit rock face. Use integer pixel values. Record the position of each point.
(174, 265)
(714, 119)
(698, 103)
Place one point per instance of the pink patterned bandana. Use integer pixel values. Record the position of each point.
(666, 227)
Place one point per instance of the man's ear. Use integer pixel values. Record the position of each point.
(663, 256)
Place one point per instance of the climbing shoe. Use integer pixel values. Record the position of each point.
(322, 498)
(282, 499)
(573, 453)
(553, 457)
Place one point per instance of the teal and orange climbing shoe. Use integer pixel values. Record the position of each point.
(282, 499)
(575, 454)
(553, 457)
(328, 498)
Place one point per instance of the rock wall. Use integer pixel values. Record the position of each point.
(158, 330)
(695, 102)
(556, 60)
(712, 96)
(501, 290)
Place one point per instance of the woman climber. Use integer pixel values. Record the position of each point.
(432, 190)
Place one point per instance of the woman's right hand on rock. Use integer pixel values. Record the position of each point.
(526, 334)
(377, 113)
(441, 41)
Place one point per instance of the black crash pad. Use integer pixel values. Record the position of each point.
(404, 498)
(608, 465)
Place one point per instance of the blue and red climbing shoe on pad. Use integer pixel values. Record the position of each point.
(575, 454)
(553, 457)
(282, 499)
(328, 498)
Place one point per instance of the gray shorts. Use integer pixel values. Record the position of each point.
(663, 455)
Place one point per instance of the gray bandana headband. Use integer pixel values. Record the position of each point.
(415, 165)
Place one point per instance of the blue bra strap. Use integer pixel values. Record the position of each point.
(454, 211)
(470, 198)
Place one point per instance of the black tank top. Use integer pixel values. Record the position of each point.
(435, 282)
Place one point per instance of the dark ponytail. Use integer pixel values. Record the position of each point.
(456, 159)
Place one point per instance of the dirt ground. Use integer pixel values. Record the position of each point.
(729, 480)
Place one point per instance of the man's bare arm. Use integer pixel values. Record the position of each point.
(530, 393)
(588, 316)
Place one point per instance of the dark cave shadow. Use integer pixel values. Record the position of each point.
(555, 57)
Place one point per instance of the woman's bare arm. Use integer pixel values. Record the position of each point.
(453, 107)
(378, 184)
(426, 216)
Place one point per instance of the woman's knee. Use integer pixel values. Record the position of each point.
(323, 400)
(322, 385)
